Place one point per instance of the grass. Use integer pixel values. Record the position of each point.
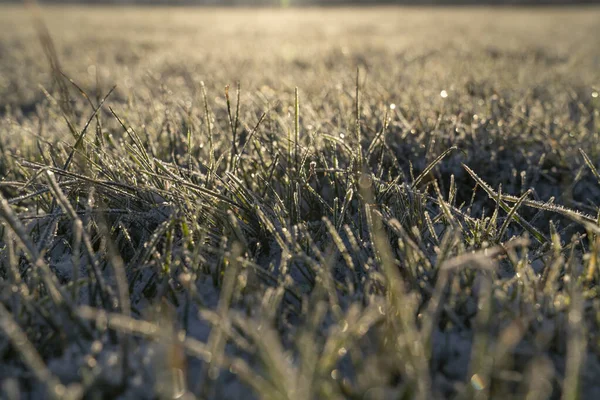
(281, 204)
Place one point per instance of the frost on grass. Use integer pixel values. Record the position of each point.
(424, 228)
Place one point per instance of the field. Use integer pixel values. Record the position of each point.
(369, 203)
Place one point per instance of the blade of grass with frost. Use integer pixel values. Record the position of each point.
(119, 188)
(253, 132)
(378, 136)
(532, 230)
(49, 232)
(198, 188)
(211, 148)
(576, 345)
(431, 228)
(431, 166)
(269, 226)
(105, 290)
(590, 165)
(341, 247)
(120, 274)
(319, 198)
(81, 136)
(76, 257)
(492, 223)
(574, 215)
(135, 139)
(552, 269)
(592, 264)
(64, 113)
(168, 248)
(296, 131)
(434, 308)
(510, 215)
(12, 260)
(323, 270)
(345, 205)
(408, 243)
(83, 93)
(244, 194)
(357, 109)
(399, 302)
(216, 340)
(452, 191)
(35, 258)
(151, 244)
(445, 208)
(343, 145)
(481, 364)
(233, 122)
(443, 270)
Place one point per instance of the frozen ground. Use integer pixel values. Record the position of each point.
(357, 237)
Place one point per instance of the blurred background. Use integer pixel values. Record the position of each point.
(288, 3)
